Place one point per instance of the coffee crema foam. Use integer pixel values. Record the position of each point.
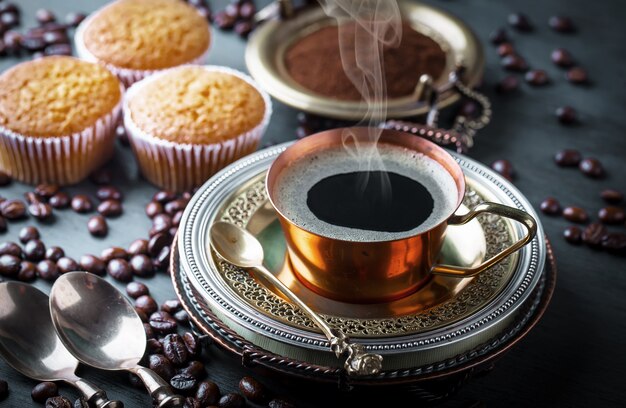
(293, 184)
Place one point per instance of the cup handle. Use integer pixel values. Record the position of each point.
(493, 208)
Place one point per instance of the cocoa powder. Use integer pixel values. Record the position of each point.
(314, 62)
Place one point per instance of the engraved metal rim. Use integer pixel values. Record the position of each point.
(194, 246)
(264, 51)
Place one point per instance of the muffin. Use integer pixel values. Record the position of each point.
(186, 123)
(57, 119)
(135, 38)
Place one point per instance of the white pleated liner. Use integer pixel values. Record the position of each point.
(126, 75)
(181, 166)
(60, 159)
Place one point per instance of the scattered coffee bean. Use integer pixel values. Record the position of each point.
(593, 233)
(97, 226)
(550, 206)
(12, 41)
(614, 242)
(136, 289)
(66, 264)
(176, 218)
(575, 214)
(44, 390)
(592, 168)
(28, 272)
(163, 196)
(31, 197)
(34, 250)
(60, 200)
(195, 369)
(33, 42)
(101, 176)
(45, 191)
(191, 403)
(147, 329)
(205, 12)
(142, 265)
(562, 58)
(109, 193)
(12, 209)
(515, 63)
(142, 316)
(74, 19)
(247, 10)
(498, 36)
(4, 390)
(162, 260)
(279, 403)
(154, 346)
(252, 390)
(612, 196)
(171, 306)
(157, 243)
(183, 382)
(3, 224)
(113, 253)
(231, 400)
(9, 265)
(612, 215)
(161, 223)
(120, 270)
(93, 264)
(243, 28)
(81, 203)
(208, 393)
(182, 317)
(175, 206)
(110, 208)
(568, 158)
(577, 75)
(10, 248)
(505, 49)
(162, 366)
(174, 349)
(504, 167)
(519, 21)
(153, 208)
(138, 247)
(162, 323)
(537, 77)
(566, 115)
(192, 343)
(47, 270)
(40, 211)
(508, 84)
(28, 233)
(54, 253)
(147, 304)
(561, 24)
(224, 21)
(44, 16)
(5, 179)
(58, 402)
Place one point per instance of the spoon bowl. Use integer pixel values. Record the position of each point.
(236, 245)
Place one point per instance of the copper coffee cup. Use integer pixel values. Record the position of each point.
(379, 271)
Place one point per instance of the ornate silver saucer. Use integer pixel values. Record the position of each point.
(455, 316)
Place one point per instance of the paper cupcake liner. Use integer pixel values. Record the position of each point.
(126, 75)
(61, 159)
(180, 166)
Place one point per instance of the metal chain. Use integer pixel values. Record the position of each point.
(466, 127)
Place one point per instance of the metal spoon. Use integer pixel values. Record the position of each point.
(30, 345)
(101, 328)
(240, 248)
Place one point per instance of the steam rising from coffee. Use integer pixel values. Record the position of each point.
(374, 25)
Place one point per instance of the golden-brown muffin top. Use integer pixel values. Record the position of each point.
(147, 34)
(56, 96)
(194, 105)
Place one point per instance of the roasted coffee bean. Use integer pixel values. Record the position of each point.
(10, 248)
(13, 209)
(9, 265)
(577, 75)
(568, 158)
(173, 231)
(81, 203)
(109, 193)
(592, 168)
(153, 208)
(191, 403)
(593, 233)
(60, 200)
(575, 214)
(58, 402)
(28, 233)
(45, 191)
(504, 167)
(175, 206)
(174, 349)
(176, 218)
(205, 12)
(93, 264)
(113, 253)
(566, 115)
(138, 247)
(136, 289)
(498, 36)
(30, 197)
(182, 317)
(508, 84)
(142, 316)
(562, 58)
(615, 242)
(612, 196)
(195, 369)
(252, 390)
(110, 208)
(147, 304)
(142, 265)
(231, 400)
(561, 24)
(161, 223)
(162, 323)
(101, 176)
(469, 109)
(162, 366)
(514, 62)
(81, 403)
(34, 250)
(148, 330)
(40, 211)
(550, 206)
(44, 390)
(208, 393)
(171, 306)
(247, 10)
(224, 21)
(162, 260)
(243, 28)
(183, 382)
(74, 19)
(157, 243)
(537, 77)
(33, 42)
(232, 9)
(12, 41)
(28, 272)
(44, 16)
(154, 346)
(279, 403)
(4, 390)
(612, 215)
(54, 253)
(192, 343)
(3, 224)
(120, 270)
(47, 270)
(164, 196)
(66, 264)
(519, 21)
(98, 226)
(58, 49)
(5, 179)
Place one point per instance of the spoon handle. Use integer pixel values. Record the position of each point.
(95, 396)
(358, 361)
(162, 394)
